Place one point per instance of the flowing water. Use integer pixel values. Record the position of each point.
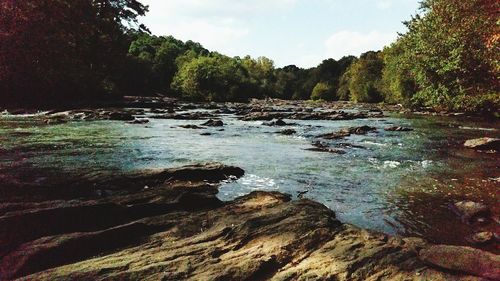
(393, 182)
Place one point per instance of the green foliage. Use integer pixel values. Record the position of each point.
(365, 78)
(63, 51)
(323, 91)
(213, 78)
(343, 92)
(451, 54)
(83, 50)
(398, 83)
(163, 56)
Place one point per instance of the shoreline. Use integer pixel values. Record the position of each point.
(167, 102)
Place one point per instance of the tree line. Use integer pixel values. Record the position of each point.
(58, 51)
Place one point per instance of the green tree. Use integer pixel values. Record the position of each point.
(55, 51)
(398, 82)
(323, 91)
(162, 55)
(213, 78)
(261, 74)
(452, 52)
(365, 78)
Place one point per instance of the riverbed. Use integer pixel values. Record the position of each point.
(394, 182)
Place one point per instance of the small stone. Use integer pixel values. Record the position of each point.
(470, 209)
(482, 237)
(194, 127)
(288, 132)
(398, 129)
(213, 123)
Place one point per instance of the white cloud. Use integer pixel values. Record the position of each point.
(216, 24)
(356, 43)
(384, 4)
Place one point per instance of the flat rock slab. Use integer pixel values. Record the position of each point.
(464, 259)
(261, 236)
(483, 144)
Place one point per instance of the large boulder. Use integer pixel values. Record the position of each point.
(483, 144)
(463, 259)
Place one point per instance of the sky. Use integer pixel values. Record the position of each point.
(300, 32)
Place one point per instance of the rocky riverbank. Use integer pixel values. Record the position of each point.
(169, 225)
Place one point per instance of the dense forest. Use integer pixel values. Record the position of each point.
(82, 51)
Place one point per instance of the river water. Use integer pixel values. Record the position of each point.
(393, 182)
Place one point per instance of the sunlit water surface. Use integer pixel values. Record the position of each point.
(396, 182)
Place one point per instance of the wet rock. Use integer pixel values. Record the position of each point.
(213, 123)
(55, 121)
(184, 116)
(300, 194)
(321, 147)
(278, 122)
(398, 129)
(347, 132)
(482, 237)
(188, 107)
(191, 126)
(270, 114)
(361, 130)
(139, 121)
(121, 116)
(335, 135)
(469, 210)
(288, 132)
(483, 144)
(350, 145)
(326, 149)
(463, 259)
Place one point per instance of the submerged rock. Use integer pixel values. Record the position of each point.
(121, 116)
(483, 144)
(288, 132)
(191, 126)
(321, 147)
(278, 122)
(361, 130)
(398, 129)
(348, 131)
(335, 135)
(213, 123)
(139, 121)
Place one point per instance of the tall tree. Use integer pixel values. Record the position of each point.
(365, 78)
(63, 50)
(452, 50)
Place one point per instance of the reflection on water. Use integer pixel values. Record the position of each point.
(395, 182)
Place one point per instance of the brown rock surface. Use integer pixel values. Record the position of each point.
(483, 144)
(176, 229)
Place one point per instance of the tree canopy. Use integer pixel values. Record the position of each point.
(60, 51)
(55, 49)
